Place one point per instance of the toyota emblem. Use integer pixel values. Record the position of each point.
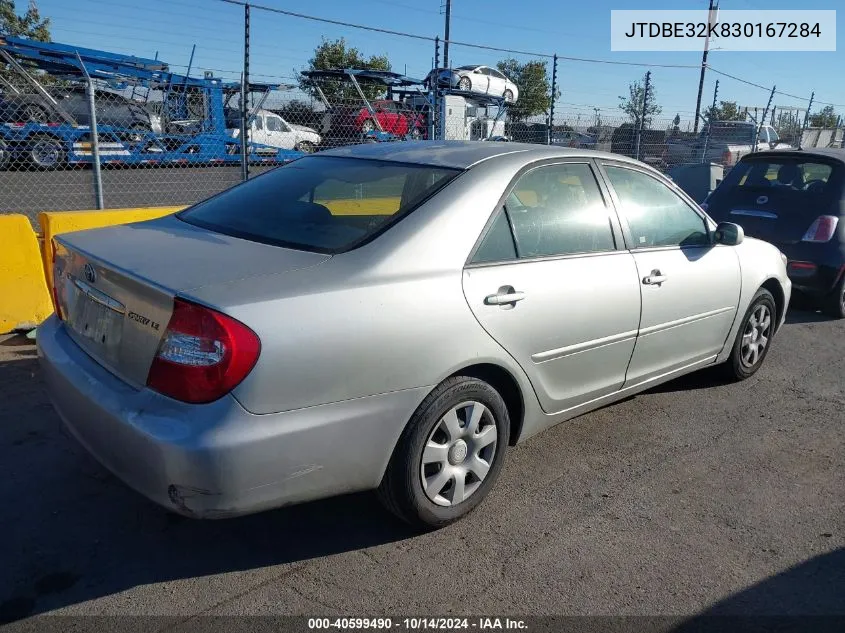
(762, 199)
(90, 275)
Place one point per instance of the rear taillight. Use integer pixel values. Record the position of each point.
(203, 355)
(822, 229)
(56, 279)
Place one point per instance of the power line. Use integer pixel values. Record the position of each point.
(767, 88)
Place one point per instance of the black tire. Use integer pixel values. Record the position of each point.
(401, 490)
(508, 96)
(306, 147)
(5, 155)
(368, 125)
(465, 84)
(738, 366)
(35, 113)
(834, 304)
(46, 153)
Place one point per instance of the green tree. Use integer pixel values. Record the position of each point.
(532, 81)
(336, 54)
(826, 118)
(632, 105)
(725, 111)
(30, 24)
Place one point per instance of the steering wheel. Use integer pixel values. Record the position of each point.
(814, 186)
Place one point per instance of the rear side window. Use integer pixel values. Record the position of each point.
(319, 203)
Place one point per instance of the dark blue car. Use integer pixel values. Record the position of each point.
(794, 199)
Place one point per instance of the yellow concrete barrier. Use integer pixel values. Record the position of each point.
(371, 206)
(57, 222)
(24, 298)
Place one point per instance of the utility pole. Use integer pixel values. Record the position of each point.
(446, 34)
(711, 18)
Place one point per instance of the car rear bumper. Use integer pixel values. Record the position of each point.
(814, 269)
(217, 460)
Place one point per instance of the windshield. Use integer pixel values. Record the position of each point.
(320, 203)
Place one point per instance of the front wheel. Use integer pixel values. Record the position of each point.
(368, 126)
(306, 147)
(449, 455)
(465, 84)
(508, 96)
(754, 337)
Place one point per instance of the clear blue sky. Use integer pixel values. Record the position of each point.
(281, 45)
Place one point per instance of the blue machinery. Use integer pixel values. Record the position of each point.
(191, 110)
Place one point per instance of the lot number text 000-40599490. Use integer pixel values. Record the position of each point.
(686, 30)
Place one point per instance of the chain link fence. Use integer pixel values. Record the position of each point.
(84, 129)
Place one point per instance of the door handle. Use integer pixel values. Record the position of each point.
(504, 298)
(655, 278)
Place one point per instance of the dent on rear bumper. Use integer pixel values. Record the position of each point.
(218, 460)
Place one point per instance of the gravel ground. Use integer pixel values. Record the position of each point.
(695, 497)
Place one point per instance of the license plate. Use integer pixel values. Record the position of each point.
(95, 317)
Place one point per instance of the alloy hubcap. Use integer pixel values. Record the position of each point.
(756, 336)
(458, 453)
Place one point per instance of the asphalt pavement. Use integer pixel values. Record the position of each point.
(697, 497)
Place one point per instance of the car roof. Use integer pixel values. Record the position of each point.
(461, 154)
(825, 152)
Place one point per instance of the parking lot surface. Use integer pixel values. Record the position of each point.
(696, 497)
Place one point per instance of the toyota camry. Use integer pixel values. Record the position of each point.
(392, 317)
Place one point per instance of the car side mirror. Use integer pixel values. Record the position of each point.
(728, 234)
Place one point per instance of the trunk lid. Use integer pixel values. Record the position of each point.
(115, 286)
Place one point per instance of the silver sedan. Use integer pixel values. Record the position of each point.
(393, 317)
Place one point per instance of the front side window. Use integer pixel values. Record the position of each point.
(274, 124)
(559, 210)
(319, 203)
(656, 215)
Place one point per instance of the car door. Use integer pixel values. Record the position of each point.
(389, 118)
(258, 132)
(279, 133)
(552, 283)
(690, 286)
(480, 80)
(497, 82)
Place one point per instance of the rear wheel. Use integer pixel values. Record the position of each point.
(754, 337)
(834, 304)
(449, 455)
(46, 153)
(35, 113)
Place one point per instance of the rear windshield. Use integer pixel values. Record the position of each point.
(781, 175)
(320, 203)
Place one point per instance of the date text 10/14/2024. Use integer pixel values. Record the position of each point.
(418, 624)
